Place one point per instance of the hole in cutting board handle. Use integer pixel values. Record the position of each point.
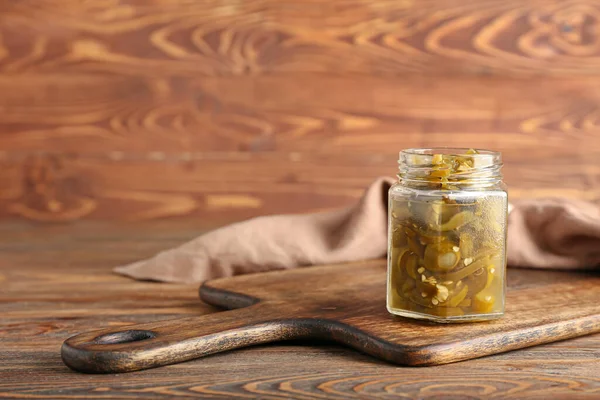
(125, 337)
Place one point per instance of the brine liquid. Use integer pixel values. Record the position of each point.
(447, 256)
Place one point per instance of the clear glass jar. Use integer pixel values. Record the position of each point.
(447, 236)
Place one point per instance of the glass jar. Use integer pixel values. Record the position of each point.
(447, 236)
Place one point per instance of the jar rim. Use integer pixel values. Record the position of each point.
(421, 157)
(451, 151)
(460, 167)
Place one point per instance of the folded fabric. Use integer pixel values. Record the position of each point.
(542, 233)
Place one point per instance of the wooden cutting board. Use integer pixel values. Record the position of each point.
(345, 304)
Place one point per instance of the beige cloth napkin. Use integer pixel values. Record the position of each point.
(542, 233)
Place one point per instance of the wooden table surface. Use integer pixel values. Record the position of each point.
(56, 280)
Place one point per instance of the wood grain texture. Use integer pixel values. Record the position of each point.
(130, 117)
(346, 304)
(261, 36)
(56, 281)
(94, 97)
(307, 145)
(223, 188)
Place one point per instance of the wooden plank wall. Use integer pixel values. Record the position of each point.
(226, 109)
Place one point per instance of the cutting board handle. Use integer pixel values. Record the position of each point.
(137, 347)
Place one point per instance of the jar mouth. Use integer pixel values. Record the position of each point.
(481, 158)
(444, 165)
(453, 151)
